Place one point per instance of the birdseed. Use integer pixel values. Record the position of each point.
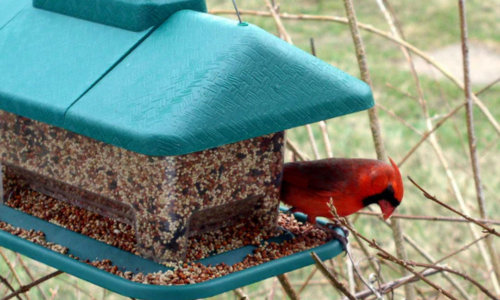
(166, 199)
(305, 236)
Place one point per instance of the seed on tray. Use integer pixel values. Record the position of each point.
(206, 244)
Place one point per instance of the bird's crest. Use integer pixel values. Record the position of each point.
(398, 182)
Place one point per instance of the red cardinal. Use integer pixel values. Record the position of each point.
(351, 183)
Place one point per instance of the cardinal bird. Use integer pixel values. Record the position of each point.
(351, 184)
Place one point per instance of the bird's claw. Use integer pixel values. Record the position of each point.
(342, 238)
(335, 225)
(290, 211)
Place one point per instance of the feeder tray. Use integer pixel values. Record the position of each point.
(87, 248)
(159, 115)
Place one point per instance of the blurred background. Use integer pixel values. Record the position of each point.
(441, 164)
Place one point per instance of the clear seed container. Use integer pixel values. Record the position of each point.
(166, 198)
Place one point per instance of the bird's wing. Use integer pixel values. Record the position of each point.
(325, 176)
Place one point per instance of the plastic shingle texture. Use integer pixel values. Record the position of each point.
(135, 15)
(49, 60)
(200, 81)
(9, 9)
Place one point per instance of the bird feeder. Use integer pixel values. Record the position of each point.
(155, 113)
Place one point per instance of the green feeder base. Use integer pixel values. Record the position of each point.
(87, 248)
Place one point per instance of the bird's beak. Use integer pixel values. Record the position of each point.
(386, 208)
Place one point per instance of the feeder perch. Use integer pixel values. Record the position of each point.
(153, 113)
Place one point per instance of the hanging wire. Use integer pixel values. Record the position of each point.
(313, 48)
(237, 11)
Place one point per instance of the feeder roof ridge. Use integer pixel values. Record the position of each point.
(135, 15)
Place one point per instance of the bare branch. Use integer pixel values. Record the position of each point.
(287, 286)
(430, 197)
(292, 147)
(472, 135)
(386, 287)
(427, 134)
(386, 255)
(12, 269)
(465, 276)
(487, 87)
(27, 270)
(7, 284)
(450, 255)
(430, 218)
(26, 288)
(240, 294)
(309, 277)
(333, 280)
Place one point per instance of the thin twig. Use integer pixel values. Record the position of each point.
(406, 93)
(488, 148)
(322, 124)
(2, 287)
(240, 294)
(390, 257)
(430, 218)
(26, 288)
(386, 255)
(27, 270)
(287, 286)
(472, 136)
(367, 254)
(365, 76)
(465, 276)
(487, 87)
(431, 259)
(312, 141)
(306, 282)
(272, 293)
(450, 255)
(433, 198)
(392, 114)
(458, 195)
(374, 123)
(348, 251)
(369, 286)
(333, 280)
(77, 288)
(326, 139)
(12, 270)
(8, 285)
(428, 133)
(350, 276)
(295, 150)
(53, 293)
(277, 19)
(386, 287)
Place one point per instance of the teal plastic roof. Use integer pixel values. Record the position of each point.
(49, 60)
(195, 82)
(10, 8)
(135, 15)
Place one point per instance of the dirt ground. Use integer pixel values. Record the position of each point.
(484, 62)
